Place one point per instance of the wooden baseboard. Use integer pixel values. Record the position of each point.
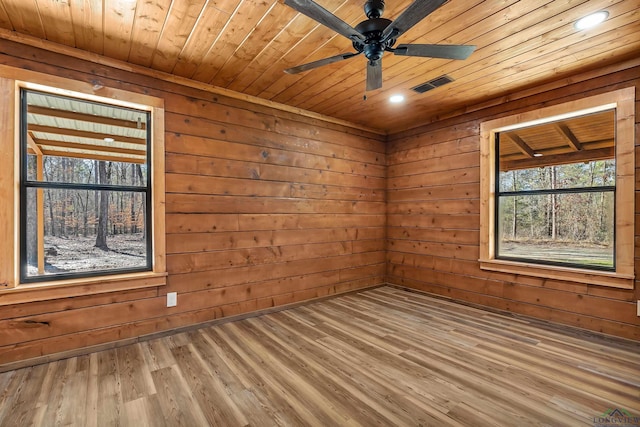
(541, 323)
(19, 364)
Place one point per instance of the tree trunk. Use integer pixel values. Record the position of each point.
(554, 205)
(514, 225)
(51, 215)
(602, 211)
(132, 211)
(144, 202)
(52, 230)
(96, 196)
(63, 201)
(103, 216)
(32, 219)
(121, 213)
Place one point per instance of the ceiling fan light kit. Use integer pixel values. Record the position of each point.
(377, 35)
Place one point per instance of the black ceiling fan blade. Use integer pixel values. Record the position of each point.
(320, 63)
(416, 12)
(451, 51)
(374, 75)
(324, 17)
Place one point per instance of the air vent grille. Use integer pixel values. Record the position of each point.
(432, 84)
(424, 88)
(440, 81)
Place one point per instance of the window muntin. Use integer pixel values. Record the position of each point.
(74, 154)
(550, 208)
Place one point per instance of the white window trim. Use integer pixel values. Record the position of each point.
(11, 290)
(623, 101)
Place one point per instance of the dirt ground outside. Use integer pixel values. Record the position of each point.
(582, 254)
(79, 254)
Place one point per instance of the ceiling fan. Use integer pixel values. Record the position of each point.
(376, 35)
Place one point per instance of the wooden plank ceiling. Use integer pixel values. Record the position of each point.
(244, 46)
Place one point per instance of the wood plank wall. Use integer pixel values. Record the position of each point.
(433, 217)
(264, 208)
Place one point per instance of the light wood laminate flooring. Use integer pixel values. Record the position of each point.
(381, 357)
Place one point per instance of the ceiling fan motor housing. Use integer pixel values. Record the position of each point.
(372, 29)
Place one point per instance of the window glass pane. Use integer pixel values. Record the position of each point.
(575, 228)
(72, 224)
(71, 135)
(575, 175)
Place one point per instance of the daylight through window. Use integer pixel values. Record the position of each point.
(85, 188)
(555, 192)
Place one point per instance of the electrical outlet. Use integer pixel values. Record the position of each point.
(172, 299)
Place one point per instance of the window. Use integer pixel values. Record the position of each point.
(85, 188)
(557, 191)
(81, 188)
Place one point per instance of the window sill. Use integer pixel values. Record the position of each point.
(592, 277)
(80, 287)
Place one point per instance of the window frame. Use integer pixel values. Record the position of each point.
(12, 288)
(26, 183)
(623, 101)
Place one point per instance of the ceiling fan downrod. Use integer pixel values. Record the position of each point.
(374, 8)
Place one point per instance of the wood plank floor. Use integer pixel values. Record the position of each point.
(385, 356)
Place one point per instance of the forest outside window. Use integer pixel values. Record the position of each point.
(85, 188)
(557, 191)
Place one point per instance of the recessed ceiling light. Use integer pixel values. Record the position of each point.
(107, 139)
(591, 20)
(537, 154)
(396, 99)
